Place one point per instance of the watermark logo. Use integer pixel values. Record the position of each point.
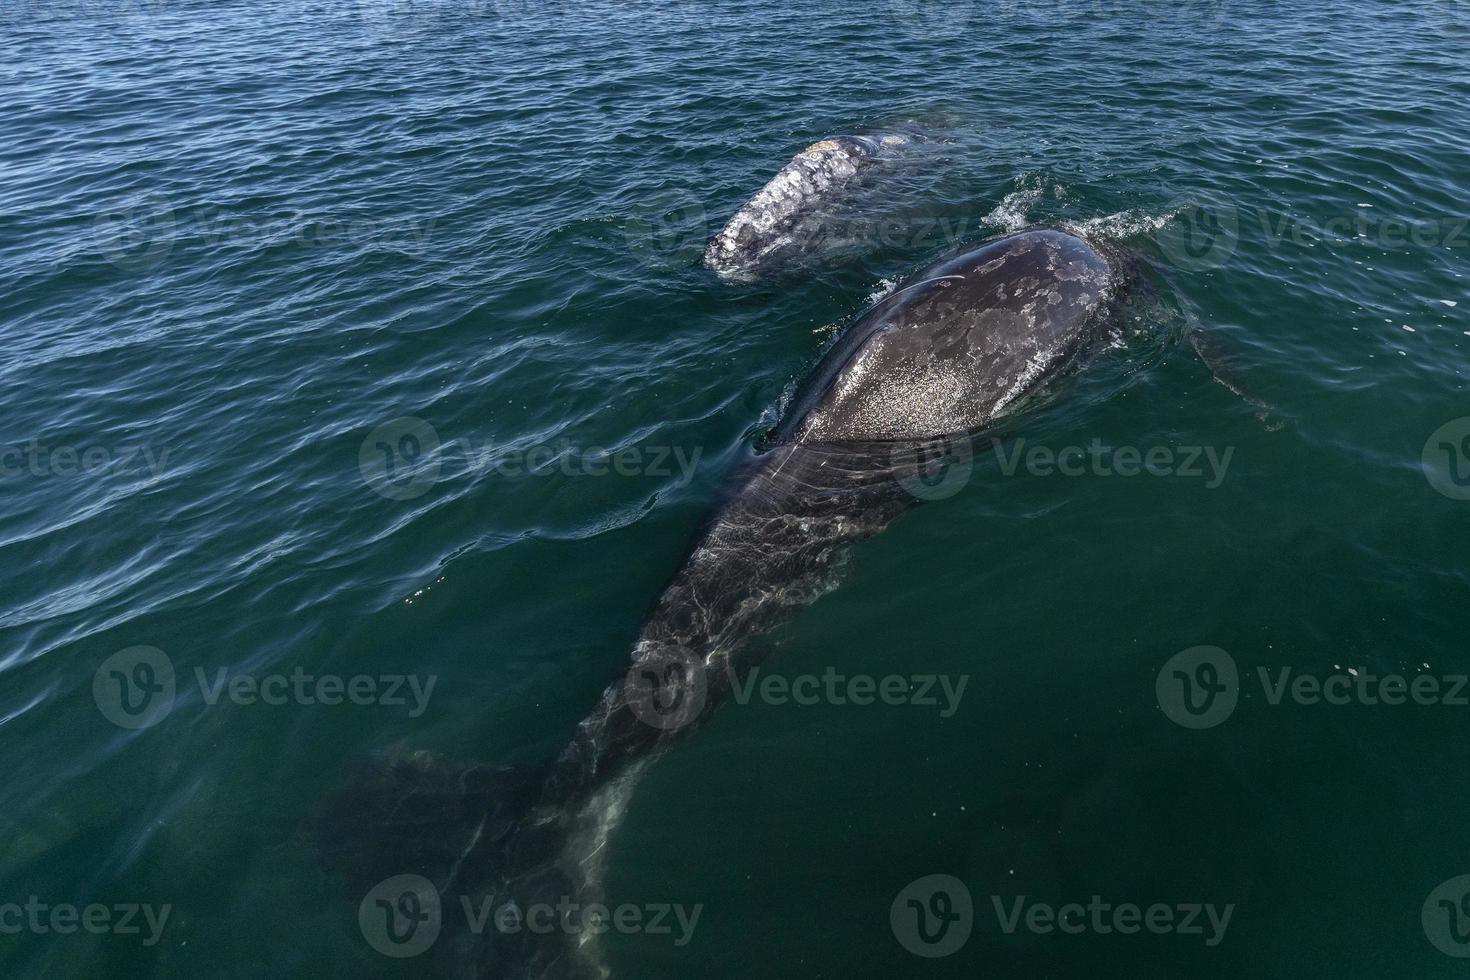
(1446, 459)
(941, 691)
(401, 917)
(1103, 918)
(933, 916)
(12, 10)
(937, 469)
(34, 459)
(666, 688)
(1205, 463)
(403, 458)
(400, 459)
(931, 20)
(63, 918)
(1446, 917)
(1198, 687)
(134, 688)
(670, 229)
(572, 918)
(1202, 236)
(137, 235)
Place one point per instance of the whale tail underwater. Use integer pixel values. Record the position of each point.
(949, 354)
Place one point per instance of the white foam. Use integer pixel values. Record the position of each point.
(1124, 224)
(886, 286)
(1010, 213)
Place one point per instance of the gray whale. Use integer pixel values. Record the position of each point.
(952, 352)
(774, 225)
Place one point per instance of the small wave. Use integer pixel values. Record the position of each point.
(1010, 213)
(1017, 210)
(1013, 211)
(1129, 223)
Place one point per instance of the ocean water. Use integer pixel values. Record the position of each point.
(322, 318)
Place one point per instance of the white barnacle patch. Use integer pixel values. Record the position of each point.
(765, 224)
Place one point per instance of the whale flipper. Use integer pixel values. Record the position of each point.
(1224, 374)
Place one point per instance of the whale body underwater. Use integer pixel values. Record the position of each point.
(951, 353)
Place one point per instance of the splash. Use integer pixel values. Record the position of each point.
(1017, 210)
(1121, 226)
(885, 286)
(1010, 213)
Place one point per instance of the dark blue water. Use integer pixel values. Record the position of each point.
(247, 250)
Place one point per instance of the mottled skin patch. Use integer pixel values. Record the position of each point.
(765, 229)
(951, 351)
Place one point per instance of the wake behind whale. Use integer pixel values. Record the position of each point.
(951, 353)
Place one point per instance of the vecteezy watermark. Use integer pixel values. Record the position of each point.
(1446, 459)
(14, 10)
(402, 459)
(1446, 917)
(135, 688)
(140, 233)
(667, 688)
(936, 469)
(1364, 225)
(403, 916)
(941, 468)
(386, 14)
(1203, 919)
(827, 234)
(137, 234)
(932, 916)
(64, 919)
(935, 915)
(1097, 459)
(1203, 235)
(939, 691)
(34, 459)
(668, 229)
(1200, 687)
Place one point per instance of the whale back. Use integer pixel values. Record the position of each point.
(785, 217)
(949, 353)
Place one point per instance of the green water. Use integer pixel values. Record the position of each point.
(244, 237)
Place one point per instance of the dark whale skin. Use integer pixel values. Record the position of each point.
(969, 338)
(950, 353)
